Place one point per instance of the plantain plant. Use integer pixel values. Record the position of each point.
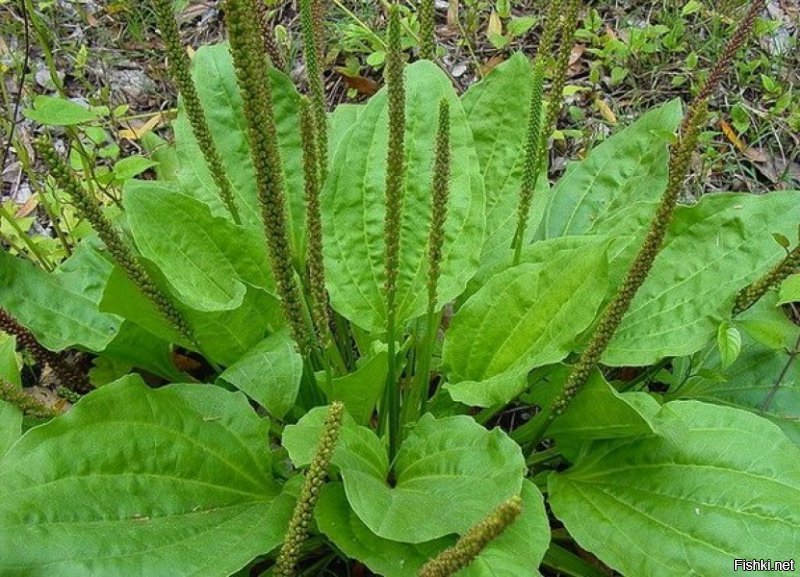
(394, 296)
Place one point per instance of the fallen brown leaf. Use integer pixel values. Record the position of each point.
(361, 84)
(490, 64)
(28, 207)
(756, 154)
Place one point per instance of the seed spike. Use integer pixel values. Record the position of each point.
(296, 534)
(180, 69)
(473, 542)
(67, 374)
(395, 174)
(251, 67)
(90, 210)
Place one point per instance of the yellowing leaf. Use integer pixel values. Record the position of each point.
(495, 25)
(136, 133)
(730, 134)
(606, 112)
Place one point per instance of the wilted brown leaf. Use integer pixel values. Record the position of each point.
(490, 64)
(361, 84)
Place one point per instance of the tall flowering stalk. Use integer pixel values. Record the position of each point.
(538, 133)
(474, 541)
(614, 312)
(180, 69)
(286, 563)
(749, 295)
(440, 196)
(90, 210)
(268, 36)
(532, 163)
(312, 17)
(316, 267)
(427, 14)
(251, 66)
(395, 174)
(66, 373)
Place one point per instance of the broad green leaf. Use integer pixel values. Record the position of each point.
(10, 426)
(10, 361)
(790, 290)
(164, 154)
(548, 250)
(135, 347)
(342, 118)
(131, 166)
(269, 373)
(497, 109)
(729, 343)
(618, 186)
(341, 525)
(215, 78)
(134, 481)
(722, 487)
(206, 259)
(224, 336)
(448, 474)
(762, 380)
(55, 111)
(712, 250)
(516, 552)
(60, 308)
(570, 564)
(600, 412)
(360, 390)
(122, 298)
(354, 206)
(766, 323)
(525, 317)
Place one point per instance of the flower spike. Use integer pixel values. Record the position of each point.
(286, 563)
(469, 546)
(251, 67)
(180, 69)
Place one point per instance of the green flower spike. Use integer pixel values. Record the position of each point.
(550, 29)
(251, 67)
(271, 46)
(312, 17)
(566, 38)
(67, 374)
(395, 175)
(749, 295)
(296, 534)
(316, 267)
(25, 402)
(534, 153)
(89, 209)
(180, 69)
(739, 38)
(441, 193)
(427, 14)
(412, 402)
(538, 134)
(635, 277)
(468, 547)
